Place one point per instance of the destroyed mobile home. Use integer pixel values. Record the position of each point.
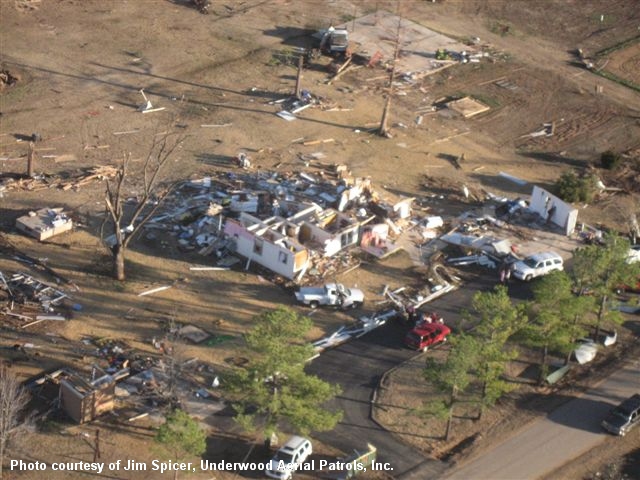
(291, 224)
(128, 383)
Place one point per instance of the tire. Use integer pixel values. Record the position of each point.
(313, 305)
(528, 278)
(355, 305)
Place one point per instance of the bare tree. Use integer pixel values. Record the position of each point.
(158, 156)
(13, 398)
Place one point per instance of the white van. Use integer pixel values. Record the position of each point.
(288, 458)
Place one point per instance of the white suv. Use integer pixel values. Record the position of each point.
(537, 265)
(289, 458)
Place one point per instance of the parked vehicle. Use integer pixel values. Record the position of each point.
(334, 41)
(537, 265)
(624, 417)
(426, 335)
(629, 288)
(331, 294)
(288, 458)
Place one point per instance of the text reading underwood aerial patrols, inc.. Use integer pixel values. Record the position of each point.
(204, 465)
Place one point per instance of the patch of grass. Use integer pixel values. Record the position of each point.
(617, 79)
(612, 76)
(283, 57)
(618, 46)
(192, 110)
(488, 101)
(17, 92)
(501, 28)
(603, 19)
(52, 425)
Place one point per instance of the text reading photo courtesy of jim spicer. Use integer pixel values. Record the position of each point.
(203, 465)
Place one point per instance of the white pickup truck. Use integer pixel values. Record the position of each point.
(331, 294)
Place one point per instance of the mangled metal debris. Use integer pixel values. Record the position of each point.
(362, 327)
(406, 300)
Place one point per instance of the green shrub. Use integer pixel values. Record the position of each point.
(571, 187)
(609, 160)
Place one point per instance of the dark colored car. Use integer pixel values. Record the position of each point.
(425, 335)
(624, 417)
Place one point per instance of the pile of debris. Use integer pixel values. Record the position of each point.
(7, 79)
(625, 177)
(34, 184)
(134, 383)
(31, 301)
(100, 172)
(291, 223)
(410, 299)
(193, 215)
(43, 181)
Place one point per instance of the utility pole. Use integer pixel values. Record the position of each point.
(96, 446)
(384, 131)
(30, 157)
(299, 76)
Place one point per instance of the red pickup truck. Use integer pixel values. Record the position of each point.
(425, 335)
(629, 288)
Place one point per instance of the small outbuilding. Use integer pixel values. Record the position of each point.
(84, 401)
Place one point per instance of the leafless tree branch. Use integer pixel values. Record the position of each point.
(13, 398)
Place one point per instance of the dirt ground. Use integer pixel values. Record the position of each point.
(79, 68)
(625, 63)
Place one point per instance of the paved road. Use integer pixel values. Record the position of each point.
(549, 443)
(358, 366)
